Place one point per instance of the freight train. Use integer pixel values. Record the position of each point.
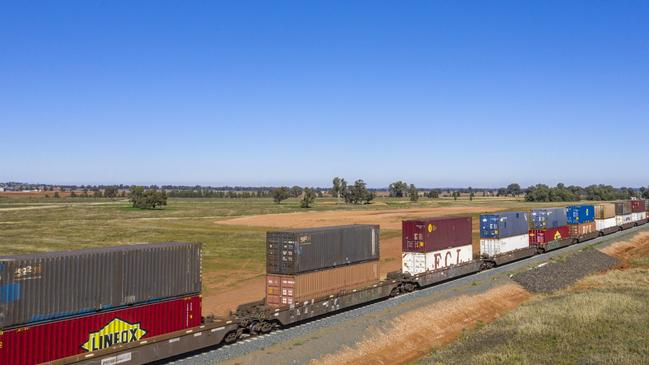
(141, 303)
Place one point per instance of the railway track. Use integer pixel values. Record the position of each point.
(252, 344)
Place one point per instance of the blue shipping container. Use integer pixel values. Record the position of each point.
(548, 218)
(581, 214)
(501, 225)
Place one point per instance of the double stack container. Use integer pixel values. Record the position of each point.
(435, 243)
(623, 214)
(605, 218)
(548, 225)
(501, 233)
(305, 264)
(581, 221)
(60, 304)
(638, 210)
(48, 286)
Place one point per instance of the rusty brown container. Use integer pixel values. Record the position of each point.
(605, 211)
(623, 207)
(577, 230)
(283, 290)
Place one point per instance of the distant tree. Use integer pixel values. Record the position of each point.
(147, 199)
(84, 193)
(514, 189)
(434, 194)
(358, 193)
(645, 193)
(97, 193)
(296, 191)
(47, 195)
(56, 194)
(398, 189)
(456, 194)
(110, 192)
(336, 187)
(308, 198)
(123, 194)
(280, 194)
(73, 194)
(501, 192)
(413, 193)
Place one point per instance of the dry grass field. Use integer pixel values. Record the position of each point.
(231, 230)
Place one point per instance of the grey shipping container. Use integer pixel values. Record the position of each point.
(623, 208)
(46, 286)
(548, 218)
(302, 250)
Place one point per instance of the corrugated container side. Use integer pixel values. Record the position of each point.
(605, 211)
(433, 234)
(638, 216)
(548, 218)
(542, 236)
(623, 219)
(282, 290)
(492, 247)
(55, 285)
(501, 225)
(418, 262)
(602, 224)
(638, 206)
(298, 251)
(580, 213)
(577, 230)
(77, 335)
(623, 208)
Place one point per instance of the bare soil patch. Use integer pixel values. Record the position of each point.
(414, 333)
(635, 248)
(387, 218)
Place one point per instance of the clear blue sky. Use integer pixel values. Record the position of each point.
(437, 93)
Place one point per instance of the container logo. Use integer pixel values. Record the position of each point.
(431, 228)
(305, 240)
(115, 332)
(557, 235)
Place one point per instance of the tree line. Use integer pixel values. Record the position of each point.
(562, 193)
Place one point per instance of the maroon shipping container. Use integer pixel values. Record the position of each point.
(58, 339)
(543, 236)
(638, 206)
(434, 234)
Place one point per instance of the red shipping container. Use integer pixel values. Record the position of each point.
(434, 234)
(54, 340)
(638, 206)
(542, 236)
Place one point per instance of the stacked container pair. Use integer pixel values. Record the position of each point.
(306, 264)
(581, 220)
(503, 232)
(638, 210)
(54, 305)
(548, 225)
(605, 218)
(623, 213)
(435, 243)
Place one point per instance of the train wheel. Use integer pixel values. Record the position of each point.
(231, 337)
(266, 327)
(395, 292)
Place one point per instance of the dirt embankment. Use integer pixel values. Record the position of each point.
(414, 333)
(634, 248)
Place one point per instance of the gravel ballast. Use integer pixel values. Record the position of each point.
(559, 274)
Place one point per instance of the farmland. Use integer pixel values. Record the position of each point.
(232, 230)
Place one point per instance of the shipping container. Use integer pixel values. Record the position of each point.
(580, 214)
(495, 247)
(48, 286)
(638, 216)
(434, 234)
(602, 224)
(303, 250)
(605, 211)
(638, 206)
(282, 290)
(501, 225)
(548, 218)
(623, 219)
(582, 229)
(623, 208)
(52, 340)
(417, 262)
(646, 204)
(542, 236)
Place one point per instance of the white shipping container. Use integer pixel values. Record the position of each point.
(623, 219)
(418, 262)
(638, 216)
(603, 224)
(493, 247)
